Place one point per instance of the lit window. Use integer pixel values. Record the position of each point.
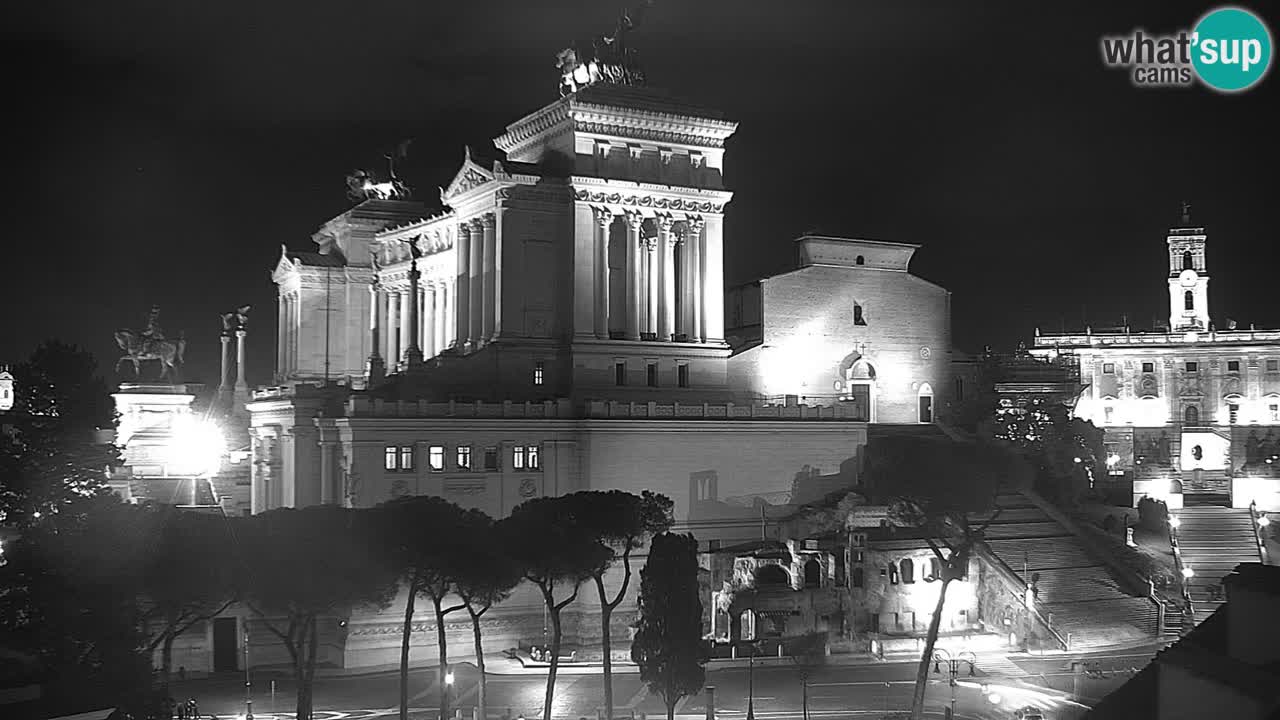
(620, 373)
(389, 458)
(406, 457)
(525, 457)
(1233, 366)
(1274, 411)
(517, 457)
(533, 457)
(491, 458)
(651, 374)
(1107, 413)
(1193, 367)
(1148, 367)
(435, 458)
(1233, 413)
(1273, 365)
(538, 369)
(1109, 368)
(464, 457)
(682, 375)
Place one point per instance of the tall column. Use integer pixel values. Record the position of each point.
(475, 285)
(242, 386)
(693, 240)
(430, 346)
(451, 313)
(634, 220)
(375, 369)
(413, 351)
(651, 278)
(604, 219)
(393, 328)
(282, 311)
(489, 269)
(406, 323)
(462, 298)
(223, 386)
(328, 484)
(666, 279)
(291, 335)
(497, 271)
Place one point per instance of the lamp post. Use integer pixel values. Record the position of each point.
(248, 684)
(953, 669)
(448, 685)
(751, 681)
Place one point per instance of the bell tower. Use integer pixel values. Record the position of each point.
(1188, 276)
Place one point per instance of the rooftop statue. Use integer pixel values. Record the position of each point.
(151, 344)
(611, 59)
(237, 319)
(361, 185)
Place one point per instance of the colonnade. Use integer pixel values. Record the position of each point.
(654, 292)
(290, 323)
(390, 318)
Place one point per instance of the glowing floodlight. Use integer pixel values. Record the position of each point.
(1112, 459)
(448, 678)
(196, 446)
(1187, 572)
(1263, 521)
(994, 698)
(1175, 522)
(1076, 460)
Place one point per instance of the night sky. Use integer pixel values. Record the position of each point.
(160, 152)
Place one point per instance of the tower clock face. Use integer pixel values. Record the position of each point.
(1188, 278)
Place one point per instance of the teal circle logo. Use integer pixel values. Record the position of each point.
(1231, 49)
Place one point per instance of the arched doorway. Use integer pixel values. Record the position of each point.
(924, 401)
(1191, 416)
(812, 573)
(858, 385)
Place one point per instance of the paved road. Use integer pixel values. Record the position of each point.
(834, 691)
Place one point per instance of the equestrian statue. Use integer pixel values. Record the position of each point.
(151, 344)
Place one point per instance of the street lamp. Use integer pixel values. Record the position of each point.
(1187, 572)
(1263, 521)
(1175, 522)
(448, 685)
(751, 681)
(248, 686)
(940, 656)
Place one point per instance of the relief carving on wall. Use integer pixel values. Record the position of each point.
(528, 488)
(465, 487)
(1189, 385)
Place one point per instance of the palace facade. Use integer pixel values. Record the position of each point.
(1191, 409)
(559, 324)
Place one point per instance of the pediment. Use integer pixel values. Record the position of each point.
(470, 176)
(284, 266)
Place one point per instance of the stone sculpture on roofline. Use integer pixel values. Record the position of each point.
(610, 60)
(151, 344)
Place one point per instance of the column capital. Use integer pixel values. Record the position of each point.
(604, 216)
(665, 223)
(487, 221)
(649, 243)
(634, 220)
(240, 333)
(694, 223)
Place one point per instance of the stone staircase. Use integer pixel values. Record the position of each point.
(1213, 540)
(1206, 482)
(1075, 590)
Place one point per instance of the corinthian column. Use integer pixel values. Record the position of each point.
(651, 276)
(242, 386)
(406, 322)
(393, 323)
(462, 298)
(412, 351)
(604, 219)
(430, 346)
(475, 278)
(666, 279)
(375, 370)
(634, 221)
(490, 269)
(693, 242)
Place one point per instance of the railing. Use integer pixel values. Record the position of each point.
(728, 411)
(374, 407)
(1011, 576)
(1255, 518)
(1171, 338)
(1189, 613)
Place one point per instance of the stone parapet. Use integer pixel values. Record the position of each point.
(563, 409)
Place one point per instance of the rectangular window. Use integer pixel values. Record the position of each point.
(1107, 414)
(1273, 365)
(651, 374)
(1233, 413)
(533, 457)
(464, 457)
(1233, 366)
(406, 457)
(682, 375)
(517, 457)
(390, 458)
(1109, 368)
(1193, 366)
(435, 458)
(620, 374)
(538, 369)
(1148, 367)
(1274, 411)
(491, 458)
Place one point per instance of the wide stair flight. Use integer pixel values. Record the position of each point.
(1213, 541)
(1076, 589)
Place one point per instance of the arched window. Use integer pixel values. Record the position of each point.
(935, 570)
(812, 573)
(1189, 300)
(857, 316)
(860, 261)
(771, 576)
(908, 570)
(1191, 416)
(925, 403)
(1188, 262)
